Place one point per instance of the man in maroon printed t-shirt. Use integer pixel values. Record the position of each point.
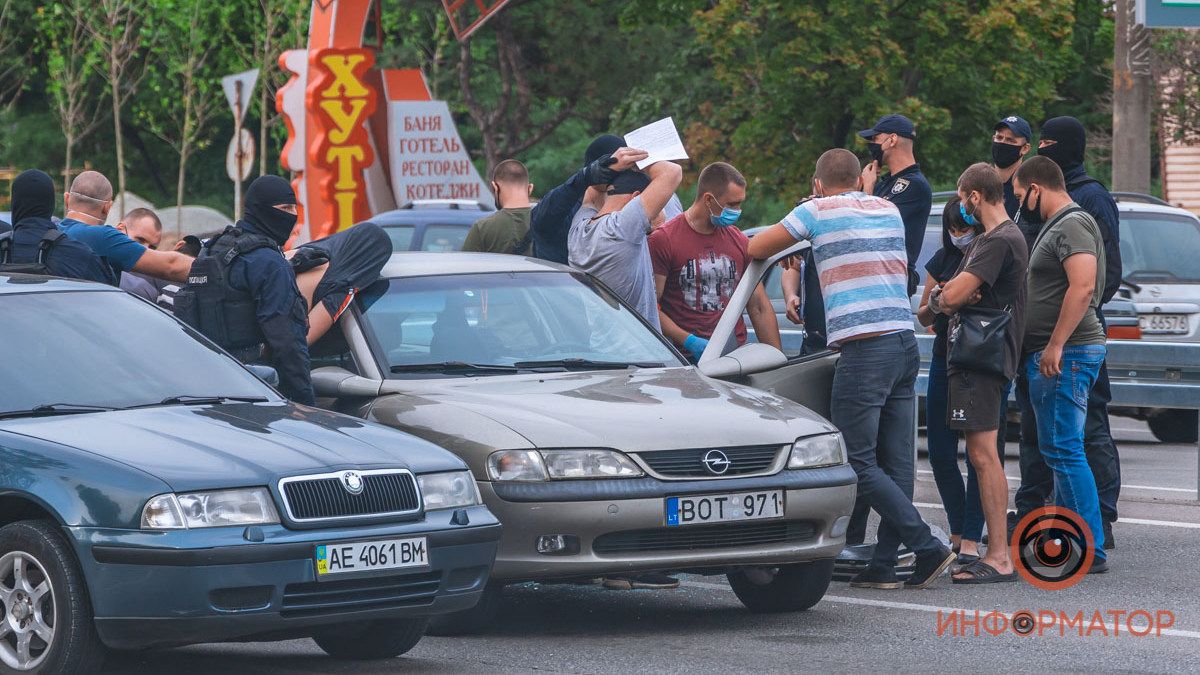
(699, 258)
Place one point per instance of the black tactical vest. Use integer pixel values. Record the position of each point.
(211, 305)
(36, 266)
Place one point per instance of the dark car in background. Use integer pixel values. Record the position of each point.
(431, 225)
(154, 492)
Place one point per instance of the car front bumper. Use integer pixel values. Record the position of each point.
(620, 525)
(189, 586)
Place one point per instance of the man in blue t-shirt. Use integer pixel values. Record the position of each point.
(33, 206)
(87, 203)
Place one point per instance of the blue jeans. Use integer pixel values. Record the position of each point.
(874, 406)
(963, 511)
(1060, 408)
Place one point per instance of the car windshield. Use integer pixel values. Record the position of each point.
(106, 350)
(443, 238)
(1161, 248)
(466, 323)
(401, 236)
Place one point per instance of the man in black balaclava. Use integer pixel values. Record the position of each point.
(265, 317)
(33, 197)
(1064, 141)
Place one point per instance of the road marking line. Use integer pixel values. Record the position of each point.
(1017, 479)
(888, 604)
(1131, 521)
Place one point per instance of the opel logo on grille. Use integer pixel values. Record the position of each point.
(716, 462)
(353, 482)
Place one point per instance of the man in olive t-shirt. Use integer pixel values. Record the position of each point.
(1064, 341)
(504, 231)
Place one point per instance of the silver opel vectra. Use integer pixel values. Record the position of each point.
(599, 447)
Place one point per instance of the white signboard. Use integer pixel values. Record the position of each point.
(427, 158)
(238, 167)
(230, 84)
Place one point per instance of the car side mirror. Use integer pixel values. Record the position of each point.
(265, 373)
(750, 358)
(335, 382)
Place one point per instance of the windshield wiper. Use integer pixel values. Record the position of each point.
(200, 400)
(587, 364)
(47, 409)
(453, 367)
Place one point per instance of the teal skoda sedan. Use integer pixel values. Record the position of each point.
(155, 492)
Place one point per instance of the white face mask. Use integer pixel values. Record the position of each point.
(962, 242)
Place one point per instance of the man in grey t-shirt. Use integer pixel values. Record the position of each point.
(608, 234)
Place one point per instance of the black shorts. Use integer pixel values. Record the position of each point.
(974, 400)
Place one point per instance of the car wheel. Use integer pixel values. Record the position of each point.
(366, 640)
(789, 588)
(470, 621)
(45, 614)
(1174, 426)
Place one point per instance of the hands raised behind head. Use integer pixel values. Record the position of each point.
(627, 158)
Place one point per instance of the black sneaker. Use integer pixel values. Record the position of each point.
(874, 577)
(651, 580)
(929, 567)
(1099, 566)
(1109, 542)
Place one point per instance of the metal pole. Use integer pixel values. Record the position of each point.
(237, 140)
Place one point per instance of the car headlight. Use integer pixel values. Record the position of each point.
(517, 465)
(589, 464)
(814, 451)
(212, 508)
(534, 465)
(449, 490)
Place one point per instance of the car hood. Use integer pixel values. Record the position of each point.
(215, 446)
(630, 410)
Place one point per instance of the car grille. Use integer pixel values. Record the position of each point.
(351, 595)
(690, 463)
(703, 537)
(325, 497)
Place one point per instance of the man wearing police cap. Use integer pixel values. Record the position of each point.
(890, 142)
(242, 292)
(1011, 138)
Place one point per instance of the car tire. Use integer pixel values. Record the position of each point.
(470, 621)
(47, 568)
(790, 588)
(369, 640)
(1174, 426)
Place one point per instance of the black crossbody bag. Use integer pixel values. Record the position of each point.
(978, 339)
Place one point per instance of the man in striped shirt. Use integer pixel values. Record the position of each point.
(858, 246)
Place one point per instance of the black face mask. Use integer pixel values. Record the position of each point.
(32, 196)
(262, 196)
(1005, 155)
(876, 151)
(1031, 218)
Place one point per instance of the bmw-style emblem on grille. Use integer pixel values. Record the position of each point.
(353, 482)
(716, 462)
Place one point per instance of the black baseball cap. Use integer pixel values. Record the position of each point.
(891, 124)
(629, 182)
(1017, 125)
(601, 146)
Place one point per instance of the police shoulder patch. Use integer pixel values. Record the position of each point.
(899, 186)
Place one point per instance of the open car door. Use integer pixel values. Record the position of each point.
(807, 380)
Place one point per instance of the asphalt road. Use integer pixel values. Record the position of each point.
(701, 627)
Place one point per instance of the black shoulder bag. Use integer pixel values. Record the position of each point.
(978, 340)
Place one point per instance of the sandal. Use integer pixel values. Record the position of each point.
(963, 561)
(982, 573)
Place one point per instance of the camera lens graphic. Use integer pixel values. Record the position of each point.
(1023, 623)
(1053, 548)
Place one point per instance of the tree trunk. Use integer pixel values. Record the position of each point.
(115, 82)
(67, 166)
(1131, 102)
(185, 149)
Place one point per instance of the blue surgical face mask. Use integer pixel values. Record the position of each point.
(969, 218)
(726, 218)
(962, 242)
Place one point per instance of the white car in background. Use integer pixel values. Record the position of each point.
(1160, 257)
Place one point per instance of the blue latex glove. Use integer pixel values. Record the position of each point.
(695, 345)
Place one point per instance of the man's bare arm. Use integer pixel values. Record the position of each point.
(664, 179)
(762, 317)
(164, 265)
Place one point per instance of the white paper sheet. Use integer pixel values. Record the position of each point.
(660, 139)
